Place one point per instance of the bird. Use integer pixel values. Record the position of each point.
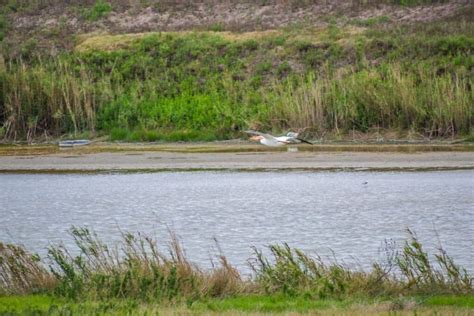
(272, 141)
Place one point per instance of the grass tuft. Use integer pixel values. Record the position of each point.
(100, 9)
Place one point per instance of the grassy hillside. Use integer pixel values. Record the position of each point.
(351, 75)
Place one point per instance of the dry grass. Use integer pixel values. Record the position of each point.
(254, 35)
(108, 42)
(136, 269)
(21, 272)
(111, 42)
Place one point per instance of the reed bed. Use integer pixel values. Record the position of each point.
(38, 101)
(387, 97)
(136, 269)
(41, 101)
(203, 86)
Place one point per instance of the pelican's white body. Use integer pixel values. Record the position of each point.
(277, 142)
(272, 141)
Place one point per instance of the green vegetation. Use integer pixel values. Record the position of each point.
(443, 300)
(371, 21)
(248, 304)
(98, 11)
(31, 303)
(136, 275)
(270, 303)
(3, 26)
(210, 85)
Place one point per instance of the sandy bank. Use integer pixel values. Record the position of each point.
(112, 157)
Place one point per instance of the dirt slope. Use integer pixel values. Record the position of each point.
(53, 26)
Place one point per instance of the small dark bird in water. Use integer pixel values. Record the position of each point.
(365, 182)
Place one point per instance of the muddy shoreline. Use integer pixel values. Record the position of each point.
(234, 157)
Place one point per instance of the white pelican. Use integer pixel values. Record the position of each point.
(272, 141)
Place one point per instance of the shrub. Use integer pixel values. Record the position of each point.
(100, 9)
(119, 134)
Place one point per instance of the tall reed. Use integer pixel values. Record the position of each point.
(48, 99)
(410, 271)
(203, 84)
(385, 97)
(22, 272)
(136, 268)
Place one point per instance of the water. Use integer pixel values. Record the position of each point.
(343, 214)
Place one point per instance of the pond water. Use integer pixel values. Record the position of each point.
(343, 215)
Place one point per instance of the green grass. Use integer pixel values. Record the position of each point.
(30, 303)
(40, 304)
(450, 300)
(144, 135)
(305, 304)
(47, 305)
(269, 304)
(100, 9)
